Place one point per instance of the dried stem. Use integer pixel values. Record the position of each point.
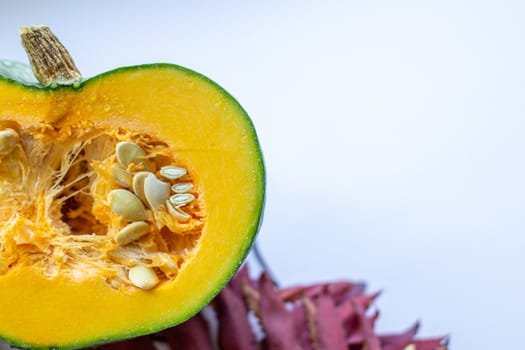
(50, 61)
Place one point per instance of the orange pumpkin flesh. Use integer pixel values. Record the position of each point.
(48, 301)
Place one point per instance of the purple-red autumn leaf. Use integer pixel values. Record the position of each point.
(351, 321)
(431, 344)
(338, 290)
(327, 316)
(275, 319)
(399, 341)
(371, 341)
(241, 277)
(357, 334)
(300, 321)
(235, 332)
(347, 309)
(330, 332)
(192, 334)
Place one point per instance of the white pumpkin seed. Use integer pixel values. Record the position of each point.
(121, 175)
(8, 140)
(132, 232)
(182, 187)
(129, 152)
(177, 212)
(127, 205)
(172, 172)
(138, 184)
(156, 192)
(143, 276)
(181, 199)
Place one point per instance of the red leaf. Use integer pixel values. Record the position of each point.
(300, 322)
(297, 292)
(349, 317)
(235, 332)
(340, 291)
(357, 335)
(310, 311)
(370, 339)
(275, 319)
(431, 344)
(192, 334)
(329, 316)
(399, 341)
(346, 310)
(252, 298)
(329, 326)
(242, 276)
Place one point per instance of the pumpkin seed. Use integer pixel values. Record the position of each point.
(172, 172)
(127, 205)
(143, 276)
(156, 192)
(8, 141)
(131, 153)
(177, 212)
(182, 187)
(132, 232)
(181, 199)
(410, 347)
(121, 175)
(138, 184)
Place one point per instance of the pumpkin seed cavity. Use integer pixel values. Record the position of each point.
(90, 202)
(181, 199)
(129, 153)
(8, 141)
(143, 276)
(182, 187)
(126, 205)
(172, 172)
(121, 175)
(132, 232)
(177, 211)
(155, 191)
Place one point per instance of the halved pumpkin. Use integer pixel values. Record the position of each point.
(65, 277)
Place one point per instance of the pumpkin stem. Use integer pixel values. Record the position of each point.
(51, 62)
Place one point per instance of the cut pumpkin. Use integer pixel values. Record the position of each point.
(128, 200)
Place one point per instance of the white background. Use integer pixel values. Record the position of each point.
(392, 133)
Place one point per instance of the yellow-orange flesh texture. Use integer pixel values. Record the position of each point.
(194, 124)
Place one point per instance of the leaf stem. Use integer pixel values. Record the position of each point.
(263, 264)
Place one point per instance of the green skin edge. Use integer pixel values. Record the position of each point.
(21, 75)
